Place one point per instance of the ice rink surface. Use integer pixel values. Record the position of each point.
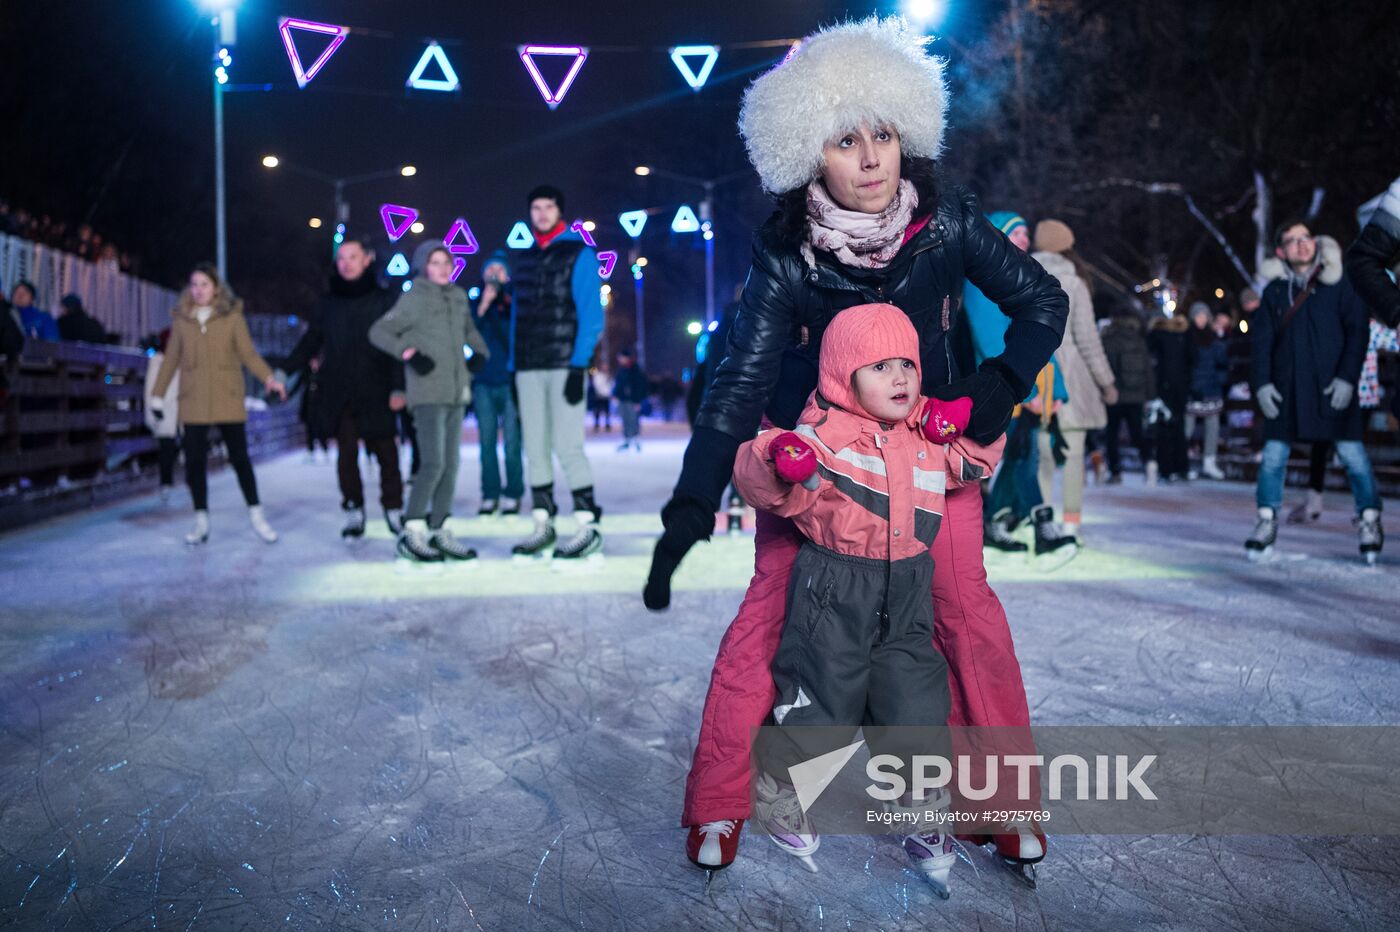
(297, 736)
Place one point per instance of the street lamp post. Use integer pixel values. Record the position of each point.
(224, 26)
(707, 218)
(342, 206)
(638, 279)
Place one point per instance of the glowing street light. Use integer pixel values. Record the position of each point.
(590, 226)
(695, 328)
(417, 227)
(314, 223)
(642, 170)
(271, 161)
(408, 171)
(1220, 292)
(641, 262)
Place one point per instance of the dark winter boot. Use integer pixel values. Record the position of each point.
(1053, 548)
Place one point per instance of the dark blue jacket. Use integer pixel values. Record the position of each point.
(1211, 369)
(37, 324)
(495, 328)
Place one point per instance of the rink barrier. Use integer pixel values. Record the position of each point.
(74, 433)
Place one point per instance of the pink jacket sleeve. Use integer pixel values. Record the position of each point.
(970, 463)
(757, 481)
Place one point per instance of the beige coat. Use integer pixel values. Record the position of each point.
(210, 361)
(1083, 364)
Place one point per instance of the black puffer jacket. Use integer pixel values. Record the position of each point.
(775, 342)
(353, 373)
(1377, 249)
(546, 318)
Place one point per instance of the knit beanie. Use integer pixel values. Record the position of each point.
(876, 72)
(1006, 220)
(1053, 236)
(857, 337)
(547, 191)
(498, 257)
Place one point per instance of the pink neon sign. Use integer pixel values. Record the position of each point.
(387, 213)
(458, 264)
(468, 246)
(285, 25)
(527, 55)
(609, 260)
(582, 230)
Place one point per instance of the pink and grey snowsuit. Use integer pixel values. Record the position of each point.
(857, 644)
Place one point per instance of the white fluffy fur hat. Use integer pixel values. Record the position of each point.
(875, 71)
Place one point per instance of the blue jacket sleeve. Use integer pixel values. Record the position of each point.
(590, 309)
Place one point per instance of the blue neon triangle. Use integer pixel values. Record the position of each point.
(694, 79)
(520, 236)
(685, 221)
(398, 265)
(448, 81)
(632, 222)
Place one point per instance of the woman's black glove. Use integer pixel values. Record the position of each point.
(687, 521)
(992, 401)
(421, 363)
(573, 387)
(476, 363)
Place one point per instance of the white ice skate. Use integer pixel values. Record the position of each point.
(1260, 545)
(1371, 535)
(930, 849)
(779, 812)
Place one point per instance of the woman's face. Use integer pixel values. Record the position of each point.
(1201, 319)
(202, 289)
(861, 169)
(439, 268)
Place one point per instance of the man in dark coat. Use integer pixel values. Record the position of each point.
(77, 324)
(1308, 344)
(359, 387)
(1128, 356)
(1374, 253)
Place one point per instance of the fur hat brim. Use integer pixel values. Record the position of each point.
(875, 72)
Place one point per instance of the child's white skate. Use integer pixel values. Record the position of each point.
(778, 810)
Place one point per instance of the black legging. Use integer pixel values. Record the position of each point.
(197, 461)
(1317, 465)
(168, 451)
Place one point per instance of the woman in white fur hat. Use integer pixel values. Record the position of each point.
(845, 134)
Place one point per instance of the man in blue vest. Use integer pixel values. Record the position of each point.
(556, 321)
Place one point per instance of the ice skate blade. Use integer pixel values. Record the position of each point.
(191, 541)
(1049, 562)
(806, 861)
(1260, 556)
(1023, 872)
(406, 567)
(575, 564)
(527, 558)
(1370, 559)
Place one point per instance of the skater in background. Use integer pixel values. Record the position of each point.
(1209, 372)
(1375, 253)
(861, 217)
(630, 390)
(310, 413)
(427, 328)
(209, 348)
(1173, 360)
(37, 323)
(859, 650)
(1125, 348)
(76, 325)
(166, 427)
(1088, 378)
(600, 386)
(358, 387)
(1308, 345)
(710, 350)
(557, 322)
(492, 396)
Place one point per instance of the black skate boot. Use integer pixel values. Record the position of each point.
(538, 545)
(393, 520)
(1372, 535)
(450, 548)
(487, 509)
(1053, 548)
(510, 506)
(996, 535)
(354, 522)
(1260, 545)
(414, 546)
(736, 516)
(587, 542)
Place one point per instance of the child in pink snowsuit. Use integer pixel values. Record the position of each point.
(863, 477)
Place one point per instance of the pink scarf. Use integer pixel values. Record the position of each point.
(857, 239)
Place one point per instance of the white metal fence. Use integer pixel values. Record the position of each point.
(124, 304)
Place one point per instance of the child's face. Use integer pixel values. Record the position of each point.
(887, 389)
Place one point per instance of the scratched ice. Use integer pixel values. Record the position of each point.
(297, 736)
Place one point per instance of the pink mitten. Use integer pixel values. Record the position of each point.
(945, 421)
(793, 458)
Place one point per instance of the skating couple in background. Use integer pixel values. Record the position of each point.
(861, 219)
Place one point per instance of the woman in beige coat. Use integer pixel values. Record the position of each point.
(1087, 374)
(209, 348)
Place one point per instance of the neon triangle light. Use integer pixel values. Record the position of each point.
(285, 25)
(608, 260)
(582, 231)
(458, 264)
(694, 79)
(468, 246)
(398, 265)
(527, 55)
(632, 222)
(448, 81)
(520, 236)
(387, 212)
(685, 221)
